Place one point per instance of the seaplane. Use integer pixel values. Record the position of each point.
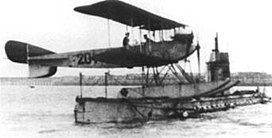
(153, 99)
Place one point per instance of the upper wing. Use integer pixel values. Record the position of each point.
(127, 14)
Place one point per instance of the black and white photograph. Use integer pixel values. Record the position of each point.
(135, 68)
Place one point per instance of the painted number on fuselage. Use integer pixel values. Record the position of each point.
(84, 58)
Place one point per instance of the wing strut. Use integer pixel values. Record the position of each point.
(198, 59)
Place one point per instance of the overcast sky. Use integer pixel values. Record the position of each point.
(244, 28)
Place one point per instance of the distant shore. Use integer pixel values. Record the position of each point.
(245, 78)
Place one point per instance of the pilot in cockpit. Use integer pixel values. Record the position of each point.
(126, 41)
(148, 40)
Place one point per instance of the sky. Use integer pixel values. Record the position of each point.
(244, 28)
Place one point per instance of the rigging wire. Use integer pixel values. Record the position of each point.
(191, 72)
(109, 40)
(142, 80)
(107, 72)
(80, 83)
(140, 33)
(132, 23)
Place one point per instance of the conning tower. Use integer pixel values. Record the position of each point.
(218, 66)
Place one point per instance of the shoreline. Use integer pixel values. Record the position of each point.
(26, 84)
(245, 78)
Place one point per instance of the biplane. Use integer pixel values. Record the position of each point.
(161, 52)
(153, 99)
(44, 63)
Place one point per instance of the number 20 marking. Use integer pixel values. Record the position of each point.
(85, 58)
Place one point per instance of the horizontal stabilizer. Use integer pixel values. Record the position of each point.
(19, 51)
(22, 53)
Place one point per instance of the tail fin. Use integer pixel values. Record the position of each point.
(19, 52)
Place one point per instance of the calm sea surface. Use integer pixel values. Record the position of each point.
(47, 111)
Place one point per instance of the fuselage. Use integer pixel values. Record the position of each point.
(161, 53)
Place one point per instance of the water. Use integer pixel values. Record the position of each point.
(47, 111)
